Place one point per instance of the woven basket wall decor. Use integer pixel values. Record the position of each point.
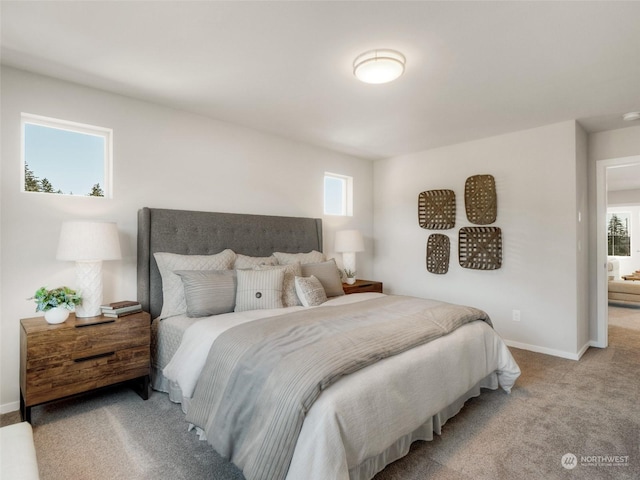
(438, 248)
(480, 248)
(480, 199)
(437, 209)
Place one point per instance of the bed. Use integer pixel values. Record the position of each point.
(351, 423)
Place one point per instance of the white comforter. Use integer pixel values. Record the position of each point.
(403, 393)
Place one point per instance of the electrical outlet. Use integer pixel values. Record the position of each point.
(515, 315)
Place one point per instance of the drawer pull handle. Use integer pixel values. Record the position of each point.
(93, 357)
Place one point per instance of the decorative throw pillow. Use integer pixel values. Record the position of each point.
(208, 292)
(259, 289)
(310, 291)
(327, 273)
(245, 261)
(311, 257)
(289, 295)
(173, 301)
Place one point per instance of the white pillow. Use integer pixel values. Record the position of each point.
(259, 289)
(311, 257)
(173, 300)
(310, 291)
(245, 261)
(328, 274)
(289, 295)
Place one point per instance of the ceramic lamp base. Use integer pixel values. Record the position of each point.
(89, 280)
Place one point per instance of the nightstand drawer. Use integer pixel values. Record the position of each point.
(72, 376)
(77, 343)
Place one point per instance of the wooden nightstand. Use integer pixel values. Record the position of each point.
(81, 354)
(362, 286)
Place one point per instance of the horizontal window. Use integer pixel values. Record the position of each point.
(68, 158)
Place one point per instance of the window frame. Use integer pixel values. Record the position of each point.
(75, 127)
(622, 215)
(346, 194)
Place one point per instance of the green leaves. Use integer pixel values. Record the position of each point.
(58, 297)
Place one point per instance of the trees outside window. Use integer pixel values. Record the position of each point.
(619, 234)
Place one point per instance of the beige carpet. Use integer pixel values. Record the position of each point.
(588, 408)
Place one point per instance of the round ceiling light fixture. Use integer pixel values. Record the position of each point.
(628, 117)
(379, 66)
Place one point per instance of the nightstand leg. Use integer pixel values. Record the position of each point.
(141, 387)
(25, 412)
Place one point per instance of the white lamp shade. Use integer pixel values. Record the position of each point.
(88, 241)
(349, 241)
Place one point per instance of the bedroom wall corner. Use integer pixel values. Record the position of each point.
(163, 158)
(536, 181)
(582, 240)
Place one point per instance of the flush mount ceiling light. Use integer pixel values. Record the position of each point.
(379, 66)
(631, 116)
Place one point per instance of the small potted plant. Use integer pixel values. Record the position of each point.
(56, 303)
(351, 276)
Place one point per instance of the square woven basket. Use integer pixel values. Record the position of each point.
(437, 209)
(480, 248)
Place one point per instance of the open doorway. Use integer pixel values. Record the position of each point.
(604, 170)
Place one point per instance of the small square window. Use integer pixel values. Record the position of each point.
(63, 157)
(338, 194)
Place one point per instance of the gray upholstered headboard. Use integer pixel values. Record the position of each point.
(202, 233)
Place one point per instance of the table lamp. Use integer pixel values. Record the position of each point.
(88, 244)
(348, 242)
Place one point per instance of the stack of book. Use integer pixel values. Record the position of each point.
(120, 309)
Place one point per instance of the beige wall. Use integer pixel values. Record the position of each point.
(162, 158)
(541, 185)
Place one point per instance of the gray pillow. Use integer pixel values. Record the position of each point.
(259, 289)
(208, 292)
(327, 273)
(310, 291)
(173, 301)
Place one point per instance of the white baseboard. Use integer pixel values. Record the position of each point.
(549, 351)
(10, 407)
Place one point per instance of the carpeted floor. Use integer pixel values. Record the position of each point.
(588, 408)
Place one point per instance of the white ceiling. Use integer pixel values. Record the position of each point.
(474, 69)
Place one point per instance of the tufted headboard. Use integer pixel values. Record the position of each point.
(201, 233)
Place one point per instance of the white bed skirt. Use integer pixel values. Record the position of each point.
(373, 465)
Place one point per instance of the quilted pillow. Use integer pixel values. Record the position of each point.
(208, 292)
(311, 257)
(173, 301)
(245, 261)
(310, 291)
(328, 274)
(289, 295)
(259, 289)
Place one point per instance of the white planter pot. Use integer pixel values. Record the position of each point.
(56, 315)
(351, 281)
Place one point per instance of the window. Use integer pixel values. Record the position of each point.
(62, 157)
(338, 194)
(619, 234)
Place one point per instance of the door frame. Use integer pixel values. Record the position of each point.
(602, 334)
